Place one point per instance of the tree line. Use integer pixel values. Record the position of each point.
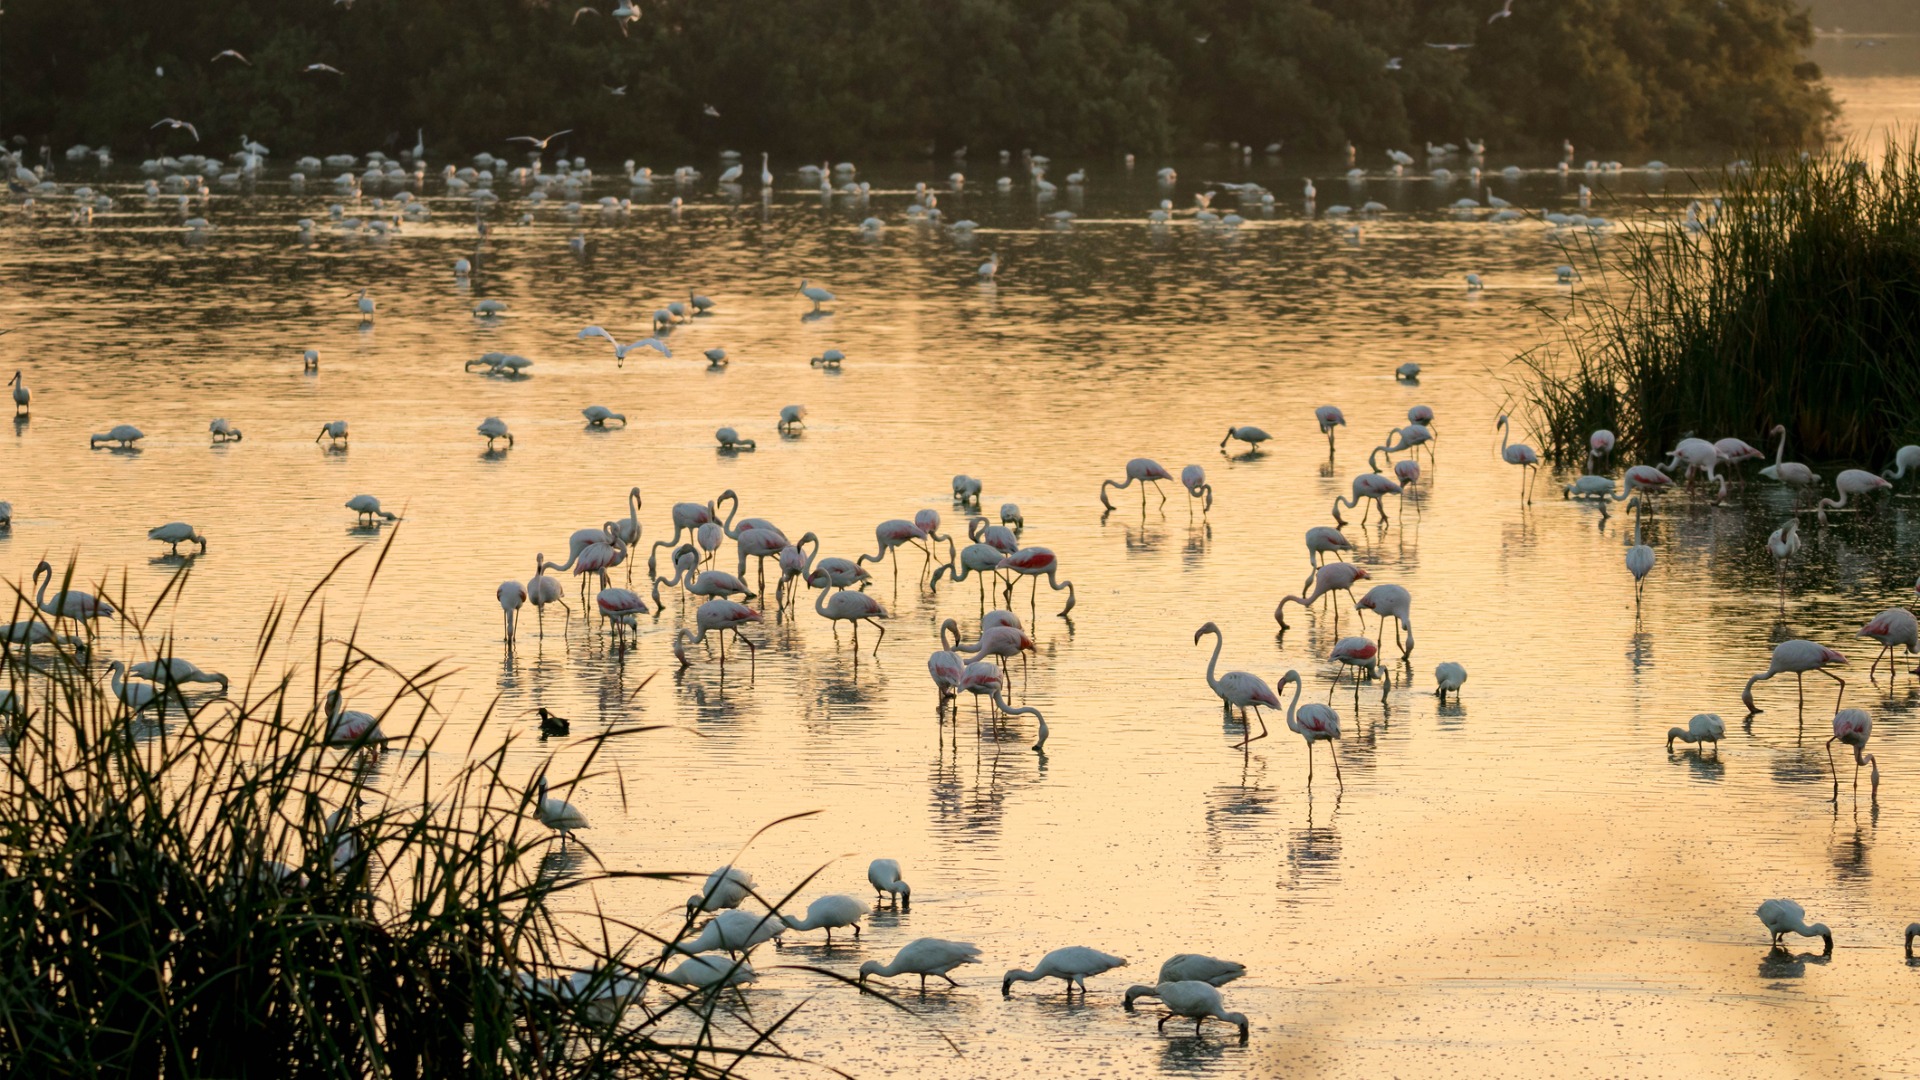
(834, 78)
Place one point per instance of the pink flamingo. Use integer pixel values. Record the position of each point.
(796, 564)
(762, 545)
(599, 557)
(577, 543)
(511, 595)
(1001, 642)
(1036, 563)
(1853, 727)
(1146, 471)
(346, 726)
(1734, 452)
(854, 607)
(1412, 437)
(1315, 723)
(1522, 455)
(1849, 483)
(68, 603)
(836, 572)
(1366, 486)
(1894, 626)
(543, 590)
(979, 560)
(1791, 473)
(1407, 472)
(719, 616)
(1798, 657)
(619, 606)
(1599, 445)
(688, 516)
(929, 522)
(1237, 689)
(1329, 417)
(1330, 577)
(1326, 540)
(892, 534)
(1699, 456)
(1390, 602)
(945, 668)
(1194, 479)
(1357, 654)
(1422, 415)
(995, 536)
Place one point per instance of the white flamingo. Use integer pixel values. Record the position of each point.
(1797, 657)
(1849, 483)
(1145, 471)
(1703, 728)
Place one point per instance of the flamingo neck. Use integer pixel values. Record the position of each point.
(1780, 451)
(1219, 642)
(1291, 706)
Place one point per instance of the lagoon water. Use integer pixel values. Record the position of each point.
(1520, 883)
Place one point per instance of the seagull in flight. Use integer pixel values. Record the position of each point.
(1450, 46)
(616, 91)
(583, 11)
(540, 143)
(323, 67)
(1393, 63)
(620, 351)
(710, 111)
(177, 124)
(224, 53)
(1505, 12)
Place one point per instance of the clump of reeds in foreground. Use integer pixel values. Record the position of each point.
(215, 891)
(1797, 303)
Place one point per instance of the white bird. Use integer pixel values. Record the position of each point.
(733, 931)
(224, 53)
(22, 396)
(884, 876)
(366, 507)
(173, 671)
(1705, 727)
(598, 415)
(792, 416)
(329, 68)
(1798, 657)
(176, 125)
(1787, 917)
(539, 144)
(725, 888)
(814, 293)
(1072, 965)
(830, 912)
(365, 305)
(1505, 12)
(176, 533)
(557, 814)
(124, 434)
(1246, 433)
(1187, 967)
(495, 428)
(730, 439)
(923, 957)
(511, 595)
(710, 972)
(620, 351)
(136, 696)
(1639, 556)
(223, 431)
(1449, 676)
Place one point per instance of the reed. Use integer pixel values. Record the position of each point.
(1797, 303)
(175, 901)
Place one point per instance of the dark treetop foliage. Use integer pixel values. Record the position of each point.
(838, 77)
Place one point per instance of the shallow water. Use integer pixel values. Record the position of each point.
(1520, 882)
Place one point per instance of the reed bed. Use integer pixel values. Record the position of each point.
(209, 888)
(1796, 303)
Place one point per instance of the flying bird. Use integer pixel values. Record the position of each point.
(540, 143)
(710, 111)
(176, 124)
(1505, 12)
(1393, 63)
(323, 67)
(616, 91)
(222, 54)
(1450, 46)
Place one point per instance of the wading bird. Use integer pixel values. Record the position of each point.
(1237, 689)
(1313, 722)
(1327, 578)
(1449, 676)
(175, 533)
(1524, 456)
(1705, 727)
(1073, 965)
(1146, 471)
(884, 876)
(1797, 657)
(1853, 727)
(557, 814)
(923, 957)
(1782, 917)
(1894, 626)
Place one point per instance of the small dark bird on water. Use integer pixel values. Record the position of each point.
(554, 725)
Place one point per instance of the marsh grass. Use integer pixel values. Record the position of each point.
(1799, 305)
(174, 901)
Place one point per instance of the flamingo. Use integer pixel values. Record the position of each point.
(1449, 676)
(1325, 540)
(997, 639)
(334, 431)
(543, 590)
(1196, 1001)
(689, 516)
(1785, 917)
(1357, 653)
(1194, 479)
(1853, 727)
(1011, 517)
(1905, 460)
(976, 559)
(1237, 689)
(764, 544)
(1411, 437)
(1314, 723)
(67, 603)
(1366, 486)
(598, 557)
(893, 533)
(124, 434)
(945, 668)
(1699, 456)
(628, 528)
(1894, 626)
(1522, 455)
(724, 888)
(829, 912)
(1783, 544)
(732, 932)
(1145, 470)
(998, 537)
(136, 696)
(966, 490)
(1248, 434)
(1733, 452)
(1407, 472)
(1645, 481)
(349, 726)
(1791, 473)
(1036, 563)
(838, 573)
(854, 607)
(1327, 578)
(791, 417)
(1639, 556)
(557, 814)
(511, 595)
(1599, 445)
(1798, 657)
(1390, 602)
(1329, 417)
(366, 508)
(718, 615)
(884, 876)
(620, 606)
(1073, 965)
(1849, 483)
(223, 431)
(598, 415)
(1422, 415)
(923, 957)
(1705, 727)
(795, 563)
(929, 522)
(22, 397)
(1187, 967)
(175, 533)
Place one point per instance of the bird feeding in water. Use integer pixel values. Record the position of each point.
(1248, 434)
(175, 533)
(1449, 676)
(1704, 728)
(495, 428)
(1146, 471)
(923, 957)
(1853, 727)
(1073, 965)
(884, 876)
(1797, 657)
(1782, 917)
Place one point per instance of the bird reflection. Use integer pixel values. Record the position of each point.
(1239, 807)
(1779, 963)
(1184, 1052)
(1849, 855)
(1702, 765)
(1313, 856)
(560, 863)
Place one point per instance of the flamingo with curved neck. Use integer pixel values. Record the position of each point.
(1237, 689)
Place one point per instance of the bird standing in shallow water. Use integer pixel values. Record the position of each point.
(1798, 657)
(1237, 689)
(923, 957)
(1787, 917)
(1196, 1001)
(1704, 728)
(1073, 965)
(557, 814)
(1853, 727)
(884, 876)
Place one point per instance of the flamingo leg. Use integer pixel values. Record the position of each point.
(1843, 687)
(1333, 752)
(878, 640)
(1835, 773)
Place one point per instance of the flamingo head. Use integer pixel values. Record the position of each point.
(1209, 628)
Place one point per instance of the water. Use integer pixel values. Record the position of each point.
(1520, 882)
